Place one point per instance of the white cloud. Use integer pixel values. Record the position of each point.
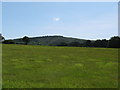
(56, 19)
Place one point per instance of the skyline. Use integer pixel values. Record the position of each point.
(84, 20)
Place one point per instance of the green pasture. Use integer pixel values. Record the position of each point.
(30, 66)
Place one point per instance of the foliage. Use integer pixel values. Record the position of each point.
(51, 40)
(25, 39)
(88, 43)
(62, 44)
(8, 42)
(114, 42)
(74, 44)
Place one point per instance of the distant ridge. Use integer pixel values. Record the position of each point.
(50, 40)
(113, 42)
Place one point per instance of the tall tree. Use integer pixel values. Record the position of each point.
(114, 42)
(25, 39)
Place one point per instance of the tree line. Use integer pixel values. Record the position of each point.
(113, 42)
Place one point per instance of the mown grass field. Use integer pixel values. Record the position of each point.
(27, 66)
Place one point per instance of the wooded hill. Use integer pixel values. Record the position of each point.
(113, 42)
(49, 40)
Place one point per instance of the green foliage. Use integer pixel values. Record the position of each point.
(51, 40)
(114, 42)
(88, 43)
(62, 44)
(25, 39)
(77, 44)
(28, 66)
(9, 42)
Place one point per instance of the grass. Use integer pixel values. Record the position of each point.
(27, 66)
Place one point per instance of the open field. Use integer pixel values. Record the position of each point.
(27, 66)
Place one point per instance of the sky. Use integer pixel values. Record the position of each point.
(84, 20)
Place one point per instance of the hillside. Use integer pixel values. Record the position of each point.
(50, 40)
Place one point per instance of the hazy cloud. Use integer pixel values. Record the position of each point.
(56, 19)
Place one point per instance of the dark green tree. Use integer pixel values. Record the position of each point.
(104, 43)
(62, 44)
(9, 42)
(88, 43)
(114, 42)
(26, 39)
(97, 43)
(76, 44)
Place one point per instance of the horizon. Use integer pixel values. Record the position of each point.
(58, 36)
(83, 20)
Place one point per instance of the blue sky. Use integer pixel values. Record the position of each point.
(85, 20)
